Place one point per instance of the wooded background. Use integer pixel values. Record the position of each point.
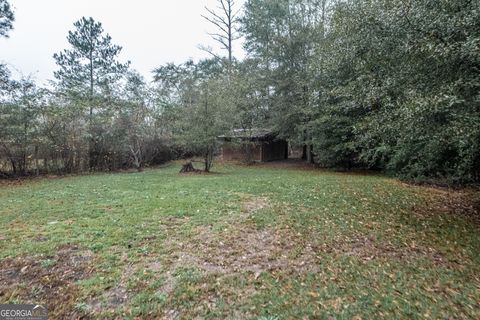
(391, 85)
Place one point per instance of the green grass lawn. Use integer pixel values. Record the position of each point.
(258, 242)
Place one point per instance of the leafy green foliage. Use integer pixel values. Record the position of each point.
(19, 123)
(87, 72)
(98, 116)
(384, 84)
(198, 104)
(414, 84)
(6, 18)
(389, 84)
(91, 62)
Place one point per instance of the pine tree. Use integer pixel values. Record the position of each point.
(89, 67)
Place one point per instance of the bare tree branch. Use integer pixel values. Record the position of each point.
(225, 22)
(216, 24)
(209, 51)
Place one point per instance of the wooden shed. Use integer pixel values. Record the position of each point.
(259, 145)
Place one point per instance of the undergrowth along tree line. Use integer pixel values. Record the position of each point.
(392, 85)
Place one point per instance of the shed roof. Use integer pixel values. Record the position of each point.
(255, 134)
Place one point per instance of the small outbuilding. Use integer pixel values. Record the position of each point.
(257, 145)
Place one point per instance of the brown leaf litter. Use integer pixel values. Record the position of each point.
(246, 249)
(25, 279)
(255, 204)
(117, 295)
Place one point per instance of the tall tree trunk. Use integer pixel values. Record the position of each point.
(224, 20)
(45, 163)
(207, 169)
(230, 34)
(307, 147)
(23, 163)
(14, 166)
(309, 153)
(37, 169)
(91, 144)
(137, 156)
(208, 159)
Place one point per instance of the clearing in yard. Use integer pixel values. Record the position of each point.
(255, 242)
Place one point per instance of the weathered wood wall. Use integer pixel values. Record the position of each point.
(236, 152)
(274, 150)
(259, 151)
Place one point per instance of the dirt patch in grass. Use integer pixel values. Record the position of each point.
(368, 248)
(247, 249)
(116, 296)
(244, 249)
(201, 173)
(228, 253)
(255, 204)
(47, 280)
(168, 278)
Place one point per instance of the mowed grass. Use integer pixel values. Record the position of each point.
(259, 242)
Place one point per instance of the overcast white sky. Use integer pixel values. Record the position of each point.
(151, 32)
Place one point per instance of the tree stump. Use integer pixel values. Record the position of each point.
(188, 167)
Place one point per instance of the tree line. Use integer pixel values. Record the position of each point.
(391, 85)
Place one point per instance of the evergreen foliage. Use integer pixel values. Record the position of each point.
(392, 85)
